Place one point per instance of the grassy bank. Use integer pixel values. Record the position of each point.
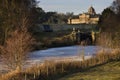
(52, 39)
(109, 71)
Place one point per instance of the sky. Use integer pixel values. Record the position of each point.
(75, 6)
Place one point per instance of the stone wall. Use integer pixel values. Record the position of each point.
(62, 27)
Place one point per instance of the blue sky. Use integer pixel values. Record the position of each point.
(75, 6)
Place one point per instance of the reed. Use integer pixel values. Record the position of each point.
(50, 70)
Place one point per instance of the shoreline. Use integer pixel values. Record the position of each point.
(33, 62)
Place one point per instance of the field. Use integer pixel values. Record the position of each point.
(109, 71)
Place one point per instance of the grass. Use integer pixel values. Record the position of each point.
(109, 71)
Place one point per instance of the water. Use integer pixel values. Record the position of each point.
(61, 52)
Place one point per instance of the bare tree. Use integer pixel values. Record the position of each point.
(16, 47)
(16, 17)
(116, 6)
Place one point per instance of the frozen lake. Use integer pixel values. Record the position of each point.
(62, 52)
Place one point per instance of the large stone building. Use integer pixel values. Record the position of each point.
(89, 17)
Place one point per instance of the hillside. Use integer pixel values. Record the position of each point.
(109, 71)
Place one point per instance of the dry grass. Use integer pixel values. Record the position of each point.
(53, 70)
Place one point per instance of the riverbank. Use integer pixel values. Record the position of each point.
(53, 71)
(69, 53)
(46, 40)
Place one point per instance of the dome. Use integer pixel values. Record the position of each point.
(91, 11)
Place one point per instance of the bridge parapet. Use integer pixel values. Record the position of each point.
(86, 37)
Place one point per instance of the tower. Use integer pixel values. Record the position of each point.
(91, 11)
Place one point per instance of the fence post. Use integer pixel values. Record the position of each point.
(47, 70)
(34, 76)
(38, 72)
(25, 76)
(62, 67)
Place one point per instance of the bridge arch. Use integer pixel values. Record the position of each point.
(83, 38)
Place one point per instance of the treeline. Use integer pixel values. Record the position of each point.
(109, 20)
(110, 26)
(43, 17)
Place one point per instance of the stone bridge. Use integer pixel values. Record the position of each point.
(83, 38)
